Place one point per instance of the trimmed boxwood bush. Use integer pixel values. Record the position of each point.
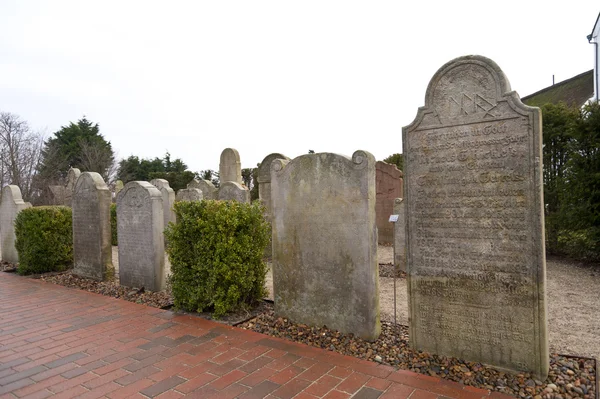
(44, 239)
(216, 250)
(113, 224)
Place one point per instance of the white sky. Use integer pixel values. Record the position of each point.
(195, 77)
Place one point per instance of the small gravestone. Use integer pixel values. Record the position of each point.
(475, 222)
(168, 196)
(140, 225)
(11, 204)
(325, 242)
(118, 187)
(92, 250)
(399, 235)
(233, 191)
(264, 181)
(230, 167)
(72, 177)
(209, 191)
(388, 185)
(189, 194)
(54, 195)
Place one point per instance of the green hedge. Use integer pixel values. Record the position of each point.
(216, 250)
(113, 224)
(44, 239)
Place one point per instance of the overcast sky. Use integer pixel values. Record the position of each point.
(195, 77)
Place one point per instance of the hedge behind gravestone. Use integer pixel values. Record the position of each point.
(44, 239)
(216, 250)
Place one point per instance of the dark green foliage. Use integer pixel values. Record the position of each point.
(113, 224)
(175, 172)
(44, 239)
(216, 251)
(395, 159)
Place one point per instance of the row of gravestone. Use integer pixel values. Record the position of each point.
(473, 227)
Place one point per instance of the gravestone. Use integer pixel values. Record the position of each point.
(325, 242)
(92, 250)
(189, 194)
(209, 191)
(475, 224)
(388, 185)
(72, 177)
(230, 167)
(233, 191)
(118, 187)
(140, 225)
(54, 195)
(168, 196)
(264, 181)
(400, 235)
(11, 203)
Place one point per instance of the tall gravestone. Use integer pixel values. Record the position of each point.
(400, 235)
(140, 226)
(264, 181)
(475, 224)
(92, 250)
(233, 191)
(11, 204)
(388, 185)
(72, 177)
(209, 191)
(189, 194)
(168, 196)
(325, 242)
(230, 167)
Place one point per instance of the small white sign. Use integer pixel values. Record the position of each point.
(393, 218)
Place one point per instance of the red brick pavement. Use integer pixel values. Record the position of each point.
(65, 343)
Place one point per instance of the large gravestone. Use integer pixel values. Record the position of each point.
(230, 167)
(168, 196)
(388, 185)
(92, 250)
(475, 224)
(400, 235)
(264, 181)
(232, 191)
(189, 194)
(72, 177)
(209, 191)
(140, 225)
(11, 204)
(325, 242)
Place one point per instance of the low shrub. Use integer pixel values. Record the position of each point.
(113, 225)
(216, 250)
(44, 239)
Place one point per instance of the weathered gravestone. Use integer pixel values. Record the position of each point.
(209, 191)
(233, 191)
(400, 235)
(388, 186)
(54, 195)
(92, 250)
(475, 224)
(72, 177)
(11, 203)
(189, 194)
(325, 242)
(118, 187)
(140, 225)
(264, 181)
(230, 167)
(168, 196)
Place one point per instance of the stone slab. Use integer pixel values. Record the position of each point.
(189, 194)
(72, 177)
(230, 166)
(11, 203)
(388, 185)
(232, 191)
(400, 235)
(209, 191)
(168, 196)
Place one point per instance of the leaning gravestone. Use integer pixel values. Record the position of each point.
(233, 191)
(264, 181)
(388, 186)
(230, 167)
(168, 196)
(400, 235)
(475, 224)
(11, 204)
(72, 177)
(92, 250)
(325, 242)
(140, 225)
(209, 191)
(189, 194)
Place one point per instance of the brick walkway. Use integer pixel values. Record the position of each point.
(65, 343)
